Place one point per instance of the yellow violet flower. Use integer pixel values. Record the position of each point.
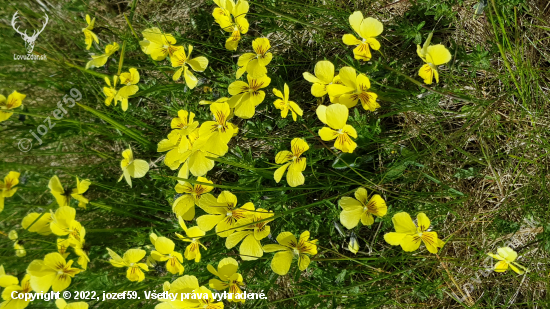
(409, 237)
(63, 245)
(228, 278)
(214, 135)
(246, 96)
(324, 76)
(164, 251)
(361, 208)
(110, 92)
(195, 159)
(7, 187)
(285, 105)
(63, 196)
(83, 258)
(180, 140)
(231, 17)
(288, 248)
(506, 257)
(99, 61)
(129, 80)
(62, 304)
(255, 64)
(158, 44)
(64, 223)
(7, 280)
(184, 121)
(434, 56)
(354, 88)
(367, 29)
(132, 168)
(252, 230)
(131, 260)
(199, 296)
(193, 235)
(222, 213)
(15, 99)
(184, 206)
(296, 166)
(54, 271)
(179, 146)
(181, 60)
(11, 285)
(38, 223)
(19, 249)
(89, 36)
(336, 116)
(353, 244)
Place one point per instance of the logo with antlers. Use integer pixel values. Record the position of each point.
(29, 40)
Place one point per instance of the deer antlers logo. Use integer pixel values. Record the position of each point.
(29, 40)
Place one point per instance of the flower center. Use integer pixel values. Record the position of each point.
(295, 251)
(131, 264)
(229, 213)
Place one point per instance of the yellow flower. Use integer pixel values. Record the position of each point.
(255, 64)
(228, 278)
(336, 116)
(98, 61)
(285, 105)
(409, 236)
(506, 257)
(11, 285)
(434, 56)
(164, 251)
(63, 245)
(129, 80)
(184, 206)
(252, 230)
(199, 296)
(83, 258)
(288, 248)
(184, 122)
(181, 60)
(355, 209)
(131, 260)
(7, 280)
(132, 168)
(64, 223)
(353, 244)
(158, 44)
(246, 96)
(193, 235)
(214, 135)
(354, 88)
(89, 36)
(63, 196)
(7, 187)
(15, 99)
(367, 29)
(52, 272)
(231, 17)
(110, 92)
(324, 76)
(294, 177)
(179, 146)
(62, 304)
(17, 246)
(222, 213)
(37, 223)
